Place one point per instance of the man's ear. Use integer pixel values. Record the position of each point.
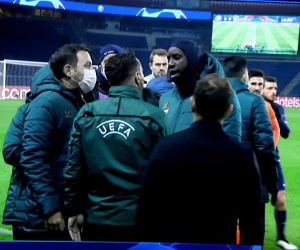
(150, 65)
(246, 78)
(229, 111)
(137, 78)
(193, 104)
(67, 70)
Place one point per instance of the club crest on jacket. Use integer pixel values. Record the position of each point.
(68, 114)
(166, 107)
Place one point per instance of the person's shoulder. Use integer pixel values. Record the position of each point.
(50, 99)
(158, 81)
(254, 98)
(151, 109)
(172, 94)
(49, 95)
(22, 108)
(279, 105)
(148, 78)
(173, 142)
(151, 96)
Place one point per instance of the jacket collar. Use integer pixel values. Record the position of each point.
(238, 85)
(207, 125)
(125, 91)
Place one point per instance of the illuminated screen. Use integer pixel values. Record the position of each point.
(255, 34)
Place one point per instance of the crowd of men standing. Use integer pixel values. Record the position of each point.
(179, 156)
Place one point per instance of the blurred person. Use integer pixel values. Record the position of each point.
(109, 149)
(257, 82)
(269, 93)
(257, 131)
(57, 92)
(186, 66)
(17, 193)
(202, 161)
(160, 85)
(158, 64)
(106, 52)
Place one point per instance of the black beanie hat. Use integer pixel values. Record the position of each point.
(191, 50)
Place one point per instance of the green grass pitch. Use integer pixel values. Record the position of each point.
(276, 38)
(290, 158)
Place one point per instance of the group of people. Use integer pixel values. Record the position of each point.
(104, 155)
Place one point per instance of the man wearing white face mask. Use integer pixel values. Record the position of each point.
(88, 86)
(57, 90)
(89, 81)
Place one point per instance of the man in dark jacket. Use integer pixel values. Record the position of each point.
(12, 148)
(200, 181)
(109, 149)
(57, 91)
(186, 66)
(269, 94)
(257, 131)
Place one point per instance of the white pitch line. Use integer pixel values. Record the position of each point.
(5, 231)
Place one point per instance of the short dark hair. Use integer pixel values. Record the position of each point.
(256, 73)
(66, 54)
(213, 94)
(121, 66)
(235, 66)
(158, 52)
(270, 79)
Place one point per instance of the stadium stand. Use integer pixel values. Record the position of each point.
(125, 41)
(165, 42)
(284, 71)
(45, 37)
(143, 56)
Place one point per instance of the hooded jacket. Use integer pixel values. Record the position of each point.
(47, 127)
(160, 85)
(110, 145)
(257, 133)
(176, 102)
(12, 149)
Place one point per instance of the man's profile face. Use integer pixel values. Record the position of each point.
(159, 66)
(84, 62)
(256, 84)
(270, 91)
(177, 63)
(140, 77)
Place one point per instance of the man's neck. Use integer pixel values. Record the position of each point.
(198, 117)
(69, 84)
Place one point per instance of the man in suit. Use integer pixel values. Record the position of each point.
(199, 181)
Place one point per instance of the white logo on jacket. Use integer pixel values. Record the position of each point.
(117, 127)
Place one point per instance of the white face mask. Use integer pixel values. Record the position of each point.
(89, 80)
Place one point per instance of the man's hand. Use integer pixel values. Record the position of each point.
(75, 226)
(55, 222)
